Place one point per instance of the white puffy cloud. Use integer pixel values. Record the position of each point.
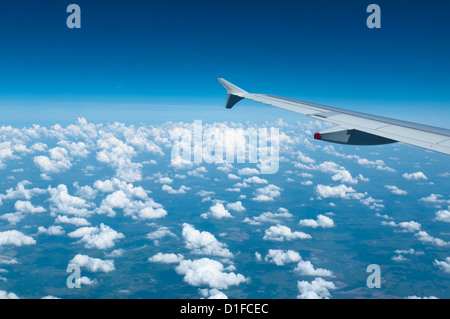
(95, 237)
(424, 237)
(21, 192)
(169, 189)
(137, 209)
(15, 238)
(435, 199)
(204, 243)
(317, 289)
(77, 221)
(93, 264)
(217, 211)
(341, 191)
(118, 155)
(415, 176)
(377, 164)
(399, 258)
(13, 218)
(268, 217)
(266, 194)
(255, 180)
(85, 281)
(443, 216)
(306, 268)
(213, 294)
(416, 297)
(164, 180)
(237, 207)
(395, 190)
(208, 272)
(166, 258)
(282, 233)
(198, 172)
(115, 253)
(27, 207)
(280, 257)
(160, 233)
(8, 295)
(52, 230)
(64, 203)
(75, 149)
(345, 192)
(443, 264)
(59, 161)
(410, 226)
(86, 192)
(322, 221)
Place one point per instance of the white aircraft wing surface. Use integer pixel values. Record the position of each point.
(353, 128)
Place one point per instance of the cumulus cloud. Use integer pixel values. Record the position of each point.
(84, 281)
(169, 189)
(21, 192)
(255, 180)
(280, 257)
(395, 190)
(443, 216)
(52, 230)
(267, 194)
(59, 161)
(306, 268)
(345, 192)
(208, 272)
(317, 289)
(341, 191)
(217, 211)
(27, 207)
(443, 264)
(282, 233)
(269, 217)
(136, 209)
(166, 258)
(213, 294)
(237, 207)
(15, 238)
(160, 233)
(203, 243)
(410, 226)
(118, 155)
(77, 221)
(93, 264)
(415, 176)
(424, 237)
(322, 221)
(8, 295)
(95, 237)
(61, 202)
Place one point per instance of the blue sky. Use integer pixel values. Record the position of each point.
(89, 176)
(156, 55)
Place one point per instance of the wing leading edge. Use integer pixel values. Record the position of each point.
(353, 128)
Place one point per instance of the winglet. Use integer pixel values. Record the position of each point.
(235, 94)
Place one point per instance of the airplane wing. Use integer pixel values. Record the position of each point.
(352, 128)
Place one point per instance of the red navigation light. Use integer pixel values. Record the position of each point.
(317, 136)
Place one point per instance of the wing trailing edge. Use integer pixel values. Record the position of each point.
(353, 128)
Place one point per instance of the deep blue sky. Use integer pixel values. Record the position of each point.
(171, 52)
